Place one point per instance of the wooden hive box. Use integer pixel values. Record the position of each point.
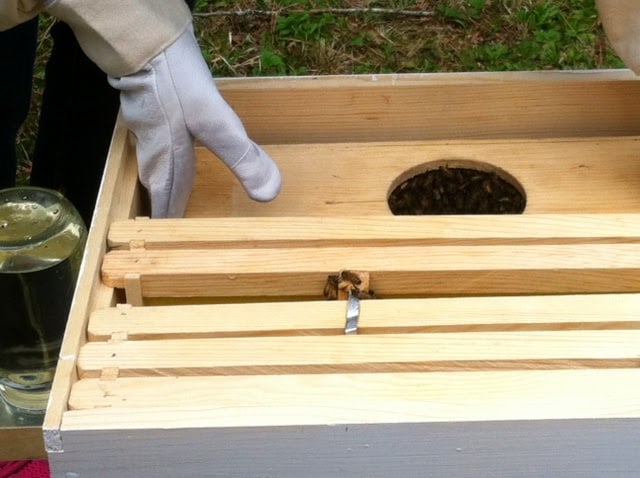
(497, 345)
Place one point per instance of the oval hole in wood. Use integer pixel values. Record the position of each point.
(456, 186)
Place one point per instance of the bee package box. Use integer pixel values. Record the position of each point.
(447, 285)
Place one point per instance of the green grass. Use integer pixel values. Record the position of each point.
(473, 35)
(309, 37)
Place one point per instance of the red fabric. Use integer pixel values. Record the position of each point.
(25, 469)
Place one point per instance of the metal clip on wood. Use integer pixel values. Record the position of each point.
(353, 313)
(352, 286)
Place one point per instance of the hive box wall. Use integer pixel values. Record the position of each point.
(553, 414)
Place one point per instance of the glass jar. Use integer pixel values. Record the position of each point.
(42, 239)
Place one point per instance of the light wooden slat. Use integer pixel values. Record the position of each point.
(218, 320)
(423, 106)
(117, 200)
(559, 176)
(411, 270)
(133, 289)
(607, 311)
(281, 400)
(239, 232)
(364, 353)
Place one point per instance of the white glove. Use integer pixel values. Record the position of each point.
(168, 103)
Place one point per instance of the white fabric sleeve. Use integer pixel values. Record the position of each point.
(621, 22)
(14, 12)
(122, 36)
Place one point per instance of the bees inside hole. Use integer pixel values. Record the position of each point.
(456, 187)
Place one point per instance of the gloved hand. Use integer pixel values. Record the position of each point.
(621, 22)
(170, 102)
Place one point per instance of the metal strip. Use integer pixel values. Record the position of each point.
(353, 313)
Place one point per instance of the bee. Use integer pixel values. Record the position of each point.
(338, 286)
(349, 280)
(330, 291)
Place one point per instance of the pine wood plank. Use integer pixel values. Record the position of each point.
(410, 270)
(562, 312)
(117, 199)
(364, 353)
(240, 232)
(588, 175)
(436, 106)
(285, 400)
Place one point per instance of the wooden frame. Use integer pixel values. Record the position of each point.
(226, 363)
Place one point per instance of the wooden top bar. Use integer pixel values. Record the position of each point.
(304, 231)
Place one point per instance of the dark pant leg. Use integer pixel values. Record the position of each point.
(78, 115)
(17, 54)
(79, 109)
